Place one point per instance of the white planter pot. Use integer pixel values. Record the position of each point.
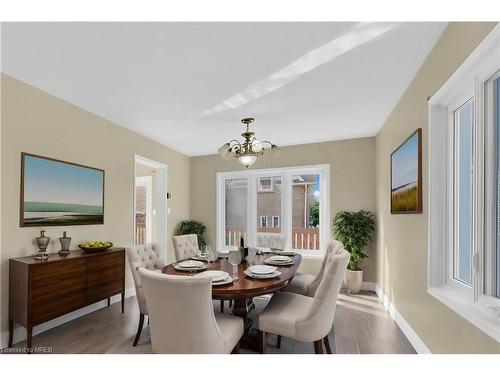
(353, 281)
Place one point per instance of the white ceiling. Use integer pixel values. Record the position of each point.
(187, 85)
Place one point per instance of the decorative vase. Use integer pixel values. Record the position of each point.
(65, 241)
(42, 242)
(353, 281)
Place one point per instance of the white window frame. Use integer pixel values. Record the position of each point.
(286, 203)
(272, 221)
(259, 187)
(261, 222)
(472, 79)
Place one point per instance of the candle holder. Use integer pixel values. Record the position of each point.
(42, 242)
(65, 242)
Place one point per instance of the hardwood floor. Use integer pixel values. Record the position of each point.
(361, 326)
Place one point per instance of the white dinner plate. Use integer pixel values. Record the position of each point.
(264, 250)
(284, 252)
(214, 275)
(227, 280)
(190, 269)
(261, 269)
(279, 258)
(190, 264)
(266, 276)
(274, 263)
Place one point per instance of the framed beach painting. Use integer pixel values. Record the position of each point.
(406, 176)
(55, 192)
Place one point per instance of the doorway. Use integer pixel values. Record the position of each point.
(150, 206)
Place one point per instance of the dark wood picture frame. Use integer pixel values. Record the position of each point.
(21, 205)
(418, 210)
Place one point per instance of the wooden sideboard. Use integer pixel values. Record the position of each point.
(41, 290)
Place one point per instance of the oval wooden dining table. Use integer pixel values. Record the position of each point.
(242, 290)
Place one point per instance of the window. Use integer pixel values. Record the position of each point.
(265, 184)
(263, 221)
(235, 211)
(464, 189)
(291, 198)
(276, 221)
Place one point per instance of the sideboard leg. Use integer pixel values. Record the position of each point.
(109, 301)
(123, 302)
(11, 332)
(29, 332)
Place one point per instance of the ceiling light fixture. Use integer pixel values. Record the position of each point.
(248, 151)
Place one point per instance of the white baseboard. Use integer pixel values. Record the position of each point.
(20, 332)
(408, 331)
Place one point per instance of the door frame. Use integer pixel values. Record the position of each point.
(161, 202)
(146, 182)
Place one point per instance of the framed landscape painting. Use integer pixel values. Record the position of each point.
(406, 176)
(55, 192)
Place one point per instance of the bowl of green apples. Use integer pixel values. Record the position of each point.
(92, 247)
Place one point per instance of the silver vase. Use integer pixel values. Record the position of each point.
(65, 242)
(42, 242)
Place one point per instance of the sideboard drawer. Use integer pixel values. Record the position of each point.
(104, 290)
(54, 307)
(100, 263)
(59, 287)
(51, 274)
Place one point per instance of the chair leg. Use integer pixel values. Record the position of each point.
(263, 342)
(327, 344)
(139, 329)
(278, 342)
(230, 303)
(318, 347)
(236, 349)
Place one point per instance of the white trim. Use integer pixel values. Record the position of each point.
(408, 331)
(20, 332)
(472, 76)
(161, 202)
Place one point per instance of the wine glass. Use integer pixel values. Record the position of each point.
(234, 259)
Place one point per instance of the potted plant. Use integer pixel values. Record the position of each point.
(354, 230)
(192, 227)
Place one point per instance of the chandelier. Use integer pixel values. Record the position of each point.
(248, 151)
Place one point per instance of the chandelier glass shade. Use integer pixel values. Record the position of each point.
(249, 149)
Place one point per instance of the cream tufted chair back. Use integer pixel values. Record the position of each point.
(182, 316)
(185, 246)
(317, 322)
(271, 241)
(142, 256)
(334, 247)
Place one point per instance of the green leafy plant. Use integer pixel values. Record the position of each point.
(354, 230)
(314, 215)
(192, 227)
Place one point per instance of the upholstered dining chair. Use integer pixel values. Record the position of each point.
(183, 318)
(142, 256)
(305, 318)
(306, 284)
(185, 246)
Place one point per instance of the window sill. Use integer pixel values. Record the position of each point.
(484, 314)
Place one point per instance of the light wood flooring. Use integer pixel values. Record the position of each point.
(362, 325)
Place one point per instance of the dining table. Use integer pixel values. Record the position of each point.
(244, 288)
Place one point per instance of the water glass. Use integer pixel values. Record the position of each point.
(252, 252)
(235, 259)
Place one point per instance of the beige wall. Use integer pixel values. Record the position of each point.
(36, 122)
(352, 178)
(402, 239)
